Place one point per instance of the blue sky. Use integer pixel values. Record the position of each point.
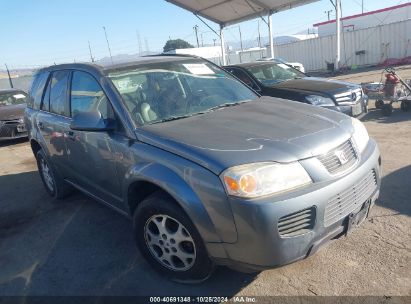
(40, 32)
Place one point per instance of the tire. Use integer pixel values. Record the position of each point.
(387, 110)
(158, 224)
(54, 184)
(406, 106)
(379, 104)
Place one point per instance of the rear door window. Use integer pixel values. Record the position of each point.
(58, 93)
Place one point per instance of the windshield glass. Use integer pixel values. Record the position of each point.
(271, 73)
(165, 91)
(14, 98)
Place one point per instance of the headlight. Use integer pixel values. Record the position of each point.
(259, 179)
(360, 135)
(317, 100)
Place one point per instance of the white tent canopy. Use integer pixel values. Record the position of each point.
(228, 12)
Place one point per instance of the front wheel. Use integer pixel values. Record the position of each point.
(169, 241)
(379, 104)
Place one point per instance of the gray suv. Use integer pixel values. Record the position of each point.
(209, 172)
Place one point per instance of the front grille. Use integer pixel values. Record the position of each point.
(349, 97)
(347, 201)
(8, 128)
(297, 223)
(339, 159)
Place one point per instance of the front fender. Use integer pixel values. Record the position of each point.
(175, 186)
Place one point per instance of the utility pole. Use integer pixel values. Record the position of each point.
(214, 41)
(108, 45)
(8, 73)
(91, 54)
(270, 34)
(140, 48)
(338, 35)
(328, 14)
(362, 6)
(202, 40)
(147, 47)
(241, 39)
(196, 31)
(259, 36)
(223, 54)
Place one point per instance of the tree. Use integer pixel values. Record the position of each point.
(173, 44)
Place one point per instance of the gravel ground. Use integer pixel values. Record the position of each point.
(78, 247)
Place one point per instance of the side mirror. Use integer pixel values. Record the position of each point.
(91, 121)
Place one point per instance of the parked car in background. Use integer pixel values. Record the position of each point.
(12, 105)
(279, 80)
(295, 65)
(209, 172)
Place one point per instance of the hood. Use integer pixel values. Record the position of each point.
(316, 85)
(265, 129)
(12, 112)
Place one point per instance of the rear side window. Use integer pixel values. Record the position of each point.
(37, 89)
(58, 93)
(87, 95)
(45, 104)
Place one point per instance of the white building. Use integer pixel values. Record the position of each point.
(366, 20)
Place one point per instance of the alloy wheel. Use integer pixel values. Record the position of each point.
(169, 242)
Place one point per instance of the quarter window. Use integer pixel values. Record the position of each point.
(58, 93)
(87, 95)
(37, 89)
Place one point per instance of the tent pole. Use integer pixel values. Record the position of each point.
(338, 35)
(270, 35)
(223, 55)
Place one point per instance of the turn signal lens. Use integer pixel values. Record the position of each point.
(231, 183)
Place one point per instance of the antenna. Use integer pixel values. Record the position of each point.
(8, 73)
(108, 44)
(91, 54)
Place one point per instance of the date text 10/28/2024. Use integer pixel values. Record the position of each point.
(236, 299)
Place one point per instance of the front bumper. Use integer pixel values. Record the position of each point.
(260, 245)
(353, 109)
(12, 129)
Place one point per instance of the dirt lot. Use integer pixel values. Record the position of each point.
(78, 247)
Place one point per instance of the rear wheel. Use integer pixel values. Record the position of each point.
(54, 184)
(169, 241)
(406, 106)
(379, 104)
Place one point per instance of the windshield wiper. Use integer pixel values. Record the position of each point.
(173, 118)
(225, 105)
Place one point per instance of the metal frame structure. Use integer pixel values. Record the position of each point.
(236, 11)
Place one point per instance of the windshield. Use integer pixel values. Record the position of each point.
(164, 91)
(14, 98)
(271, 73)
